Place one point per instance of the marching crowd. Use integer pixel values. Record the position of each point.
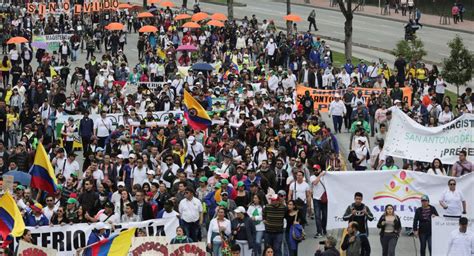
(247, 184)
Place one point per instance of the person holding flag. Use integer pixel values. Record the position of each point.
(42, 172)
(194, 113)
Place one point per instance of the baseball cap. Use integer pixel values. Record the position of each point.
(282, 193)
(203, 179)
(425, 198)
(218, 185)
(225, 181)
(240, 184)
(72, 200)
(150, 172)
(224, 193)
(239, 209)
(121, 183)
(223, 204)
(37, 207)
(316, 167)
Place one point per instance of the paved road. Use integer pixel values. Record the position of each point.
(367, 30)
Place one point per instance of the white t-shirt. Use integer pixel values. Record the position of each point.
(70, 168)
(103, 126)
(362, 152)
(300, 191)
(454, 202)
(139, 175)
(318, 189)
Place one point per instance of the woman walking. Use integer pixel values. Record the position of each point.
(390, 227)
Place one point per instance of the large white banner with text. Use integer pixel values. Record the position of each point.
(409, 140)
(67, 239)
(441, 233)
(402, 189)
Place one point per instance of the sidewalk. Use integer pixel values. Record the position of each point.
(374, 11)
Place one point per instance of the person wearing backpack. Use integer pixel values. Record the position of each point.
(363, 155)
(355, 243)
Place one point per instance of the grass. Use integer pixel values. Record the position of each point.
(339, 59)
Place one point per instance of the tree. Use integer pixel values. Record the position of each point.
(348, 13)
(230, 9)
(458, 68)
(410, 50)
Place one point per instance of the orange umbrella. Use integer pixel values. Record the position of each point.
(219, 16)
(115, 26)
(200, 16)
(182, 16)
(145, 15)
(292, 17)
(168, 4)
(124, 6)
(153, 1)
(17, 40)
(191, 25)
(215, 23)
(148, 29)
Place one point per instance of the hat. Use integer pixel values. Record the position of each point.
(337, 95)
(240, 209)
(218, 185)
(224, 193)
(121, 183)
(100, 225)
(203, 179)
(72, 201)
(240, 184)
(150, 172)
(132, 156)
(425, 198)
(40, 80)
(223, 204)
(99, 149)
(21, 143)
(225, 181)
(191, 139)
(20, 187)
(37, 207)
(211, 159)
(120, 156)
(281, 193)
(316, 167)
(362, 139)
(397, 101)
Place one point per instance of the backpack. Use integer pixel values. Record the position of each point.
(297, 232)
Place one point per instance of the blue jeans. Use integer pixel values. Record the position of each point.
(191, 229)
(424, 238)
(320, 216)
(274, 240)
(337, 122)
(258, 242)
(216, 249)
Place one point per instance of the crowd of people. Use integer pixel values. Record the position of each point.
(247, 184)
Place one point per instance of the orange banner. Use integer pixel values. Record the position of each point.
(322, 98)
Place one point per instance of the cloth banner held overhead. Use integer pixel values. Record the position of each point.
(402, 189)
(409, 140)
(69, 238)
(27, 249)
(441, 229)
(322, 98)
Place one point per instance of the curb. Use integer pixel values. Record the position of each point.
(236, 4)
(379, 17)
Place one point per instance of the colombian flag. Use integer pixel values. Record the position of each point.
(11, 222)
(42, 172)
(195, 114)
(117, 244)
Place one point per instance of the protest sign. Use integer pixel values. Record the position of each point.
(69, 238)
(8, 183)
(87, 7)
(191, 249)
(27, 249)
(409, 140)
(441, 229)
(322, 98)
(149, 246)
(53, 40)
(402, 189)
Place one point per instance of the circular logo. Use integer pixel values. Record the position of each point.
(192, 112)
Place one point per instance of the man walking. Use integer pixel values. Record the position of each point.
(337, 110)
(422, 223)
(462, 240)
(273, 216)
(359, 213)
(312, 20)
(190, 210)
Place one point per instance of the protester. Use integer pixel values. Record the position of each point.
(461, 240)
(355, 243)
(422, 223)
(359, 213)
(329, 248)
(453, 201)
(390, 227)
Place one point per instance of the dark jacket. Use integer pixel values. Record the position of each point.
(147, 211)
(237, 224)
(86, 127)
(360, 246)
(359, 217)
(423, 225)
(398, 225)
(328, 252)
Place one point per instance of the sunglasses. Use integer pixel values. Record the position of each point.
(452, 184)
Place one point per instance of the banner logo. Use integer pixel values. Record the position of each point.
(399, 189)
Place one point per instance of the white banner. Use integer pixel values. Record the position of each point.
(402, 189)
(441, 229)
(409, 140)
(67, 239)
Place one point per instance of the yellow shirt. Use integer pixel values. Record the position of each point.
(7, 67)
(313, 128)
(8, 95)
(11, 118)
(421, 74)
